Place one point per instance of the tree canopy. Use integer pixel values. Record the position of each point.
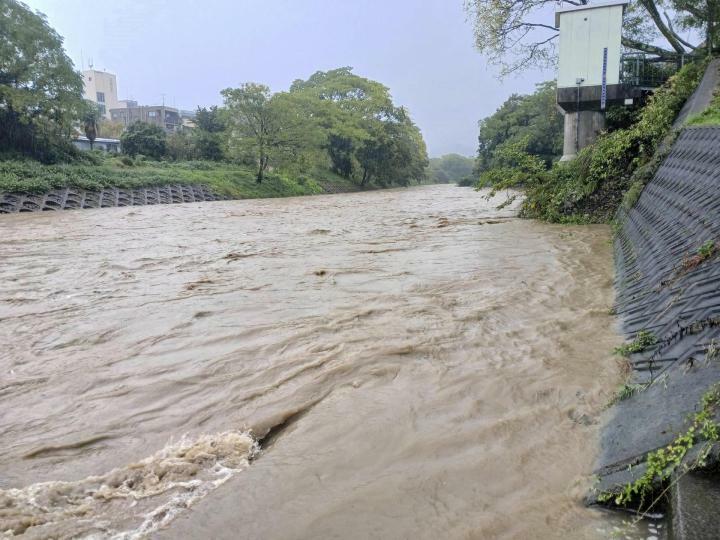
(145, 139)
(335, 119)
(518, 35)
(40, 92)
(531, 121)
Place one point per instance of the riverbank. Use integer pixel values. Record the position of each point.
(223, 180)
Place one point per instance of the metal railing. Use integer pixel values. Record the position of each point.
(648, 71)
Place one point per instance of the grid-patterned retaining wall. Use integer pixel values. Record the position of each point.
(664, 288)
(70, 198)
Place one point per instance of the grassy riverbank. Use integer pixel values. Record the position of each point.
(710, 116)
(229, 180)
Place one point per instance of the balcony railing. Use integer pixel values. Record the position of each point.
(648, 71)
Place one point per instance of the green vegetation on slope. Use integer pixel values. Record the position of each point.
(591, 187)
(663, 463)
(710, 116)
(226, 179)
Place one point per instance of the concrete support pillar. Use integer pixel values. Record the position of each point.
(581, 130)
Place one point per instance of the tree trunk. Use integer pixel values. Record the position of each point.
(364, 178)
(261, 169)
(711, 20)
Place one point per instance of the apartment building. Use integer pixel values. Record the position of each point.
(167, 118)
(101, 89)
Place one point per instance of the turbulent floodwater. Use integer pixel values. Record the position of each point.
(394, 364)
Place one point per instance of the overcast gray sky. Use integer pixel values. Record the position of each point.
(190, 50)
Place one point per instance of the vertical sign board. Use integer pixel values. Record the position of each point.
(603, 95)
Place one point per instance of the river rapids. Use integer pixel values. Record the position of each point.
(410, 363)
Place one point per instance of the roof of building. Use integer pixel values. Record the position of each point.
(166, 107)
(97, 140)
(595, 5)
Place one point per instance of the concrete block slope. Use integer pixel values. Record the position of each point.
(74, 199)
(668, 284)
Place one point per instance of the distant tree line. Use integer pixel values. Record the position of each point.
(452, 168)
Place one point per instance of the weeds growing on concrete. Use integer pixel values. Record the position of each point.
(704, 253)
(627, 391)
(662, 463)
(712, 351)
(643, 340)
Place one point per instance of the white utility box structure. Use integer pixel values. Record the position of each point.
(589, 69)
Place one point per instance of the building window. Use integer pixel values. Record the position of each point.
(100, 97)
(152, 114)
(101, 109)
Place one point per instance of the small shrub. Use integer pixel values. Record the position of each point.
(704, 252)
(643, 340)
(141, 138)
(627, 391)
(707, 250)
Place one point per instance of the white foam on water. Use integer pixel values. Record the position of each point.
(130, 502)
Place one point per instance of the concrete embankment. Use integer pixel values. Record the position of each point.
(72, 199)
(668, 286)
(75, 199)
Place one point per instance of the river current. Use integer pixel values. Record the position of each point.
(410, 363)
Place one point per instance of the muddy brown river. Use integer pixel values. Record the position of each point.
(395, 364)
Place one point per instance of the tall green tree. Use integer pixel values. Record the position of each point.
(253, 126)
(368, 138)
(702, 15)
(40, 92)
(334, 120)
(145, 139)
(532, 119)
(209, 134)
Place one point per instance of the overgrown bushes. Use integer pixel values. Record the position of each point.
(590, 188)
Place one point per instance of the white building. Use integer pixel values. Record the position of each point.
(589, 69)
(101, 88)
